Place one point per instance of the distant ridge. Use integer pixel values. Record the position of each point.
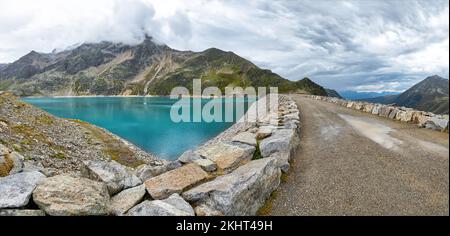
(431, 94)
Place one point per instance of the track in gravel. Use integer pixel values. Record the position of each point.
(353, 163)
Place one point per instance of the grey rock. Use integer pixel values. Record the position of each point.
(264, 131)
(228, 156)
(145, 172)
(28, 166)
(241, 192)
(16, 189)
(206, 164)
(393, 113)
(436, 123)
(280, 140)
(246, 138)
(172, 206)
(115, 175)
(175, 181)
(64, 195)
(21, 212)
(125, 200)
(283, 159)
(189, 156)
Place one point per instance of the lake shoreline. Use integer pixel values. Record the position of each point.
(129, 96)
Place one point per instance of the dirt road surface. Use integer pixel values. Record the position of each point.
(353, 163)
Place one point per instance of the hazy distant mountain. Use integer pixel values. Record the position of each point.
(3, 65)
(353, 95)
(108, 68)
(431, 94)
(333, 93)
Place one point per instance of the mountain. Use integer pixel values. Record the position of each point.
(108, 68)
(3, 65)
(333, 93)
(354, 95)
(431, 95)
(307, 86)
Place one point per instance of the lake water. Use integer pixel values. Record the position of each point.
(144, 121)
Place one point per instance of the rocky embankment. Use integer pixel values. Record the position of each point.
(233, 174)
(403, 114)
(54, 145)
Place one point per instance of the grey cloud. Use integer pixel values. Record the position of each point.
(339, 44)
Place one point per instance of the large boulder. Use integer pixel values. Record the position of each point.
(280, 140)
(16, 189)
(436, 123)
(393, 113)
(385, 111)
(376, 109)
(115, 175)
(64, 195)
(172, 206)
(228, 156)
(246, 138)
(175, 181)
(125, 200)
(241, 192)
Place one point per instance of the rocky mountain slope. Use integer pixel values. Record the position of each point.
(59, 145)
(147, 68)
(333, 93)
(431, 95)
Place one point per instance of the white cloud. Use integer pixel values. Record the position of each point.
(340, 44)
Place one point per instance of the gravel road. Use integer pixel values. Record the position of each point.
(353, 163)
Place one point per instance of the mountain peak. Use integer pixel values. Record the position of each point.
(434, 77)
(32, 54)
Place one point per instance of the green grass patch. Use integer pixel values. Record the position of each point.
(59, 155)
(257, 154)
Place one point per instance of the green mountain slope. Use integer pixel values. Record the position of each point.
(147, 68)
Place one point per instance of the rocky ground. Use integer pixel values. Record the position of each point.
(354, 163)
(233, 174)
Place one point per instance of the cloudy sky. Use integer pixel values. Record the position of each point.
(361, 45)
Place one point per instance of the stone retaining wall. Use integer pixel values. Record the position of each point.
(232, 174)
(403, 114)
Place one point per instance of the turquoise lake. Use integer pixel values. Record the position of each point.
(143, 121)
